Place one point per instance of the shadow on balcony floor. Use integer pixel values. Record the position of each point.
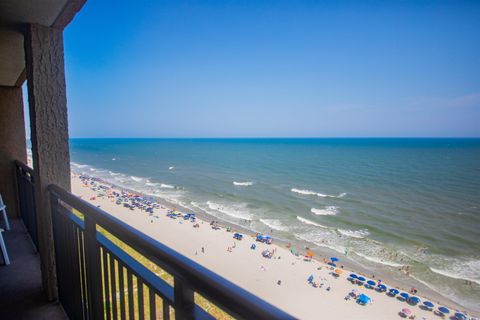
(21, 294)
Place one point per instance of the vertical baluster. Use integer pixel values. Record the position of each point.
(131, 307)
(166, 310)
(92, 251)
(106, 280)
(113, 284)
(141, 310)
(83, 271)
(153, 306)
(183, 300)
(121, 286)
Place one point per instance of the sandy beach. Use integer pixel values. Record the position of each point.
(280, 280)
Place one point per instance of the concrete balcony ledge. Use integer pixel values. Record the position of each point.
(21, 294)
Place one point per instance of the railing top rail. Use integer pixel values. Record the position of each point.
(230, 297)
(23, 166)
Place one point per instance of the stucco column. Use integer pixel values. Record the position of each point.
(49, 134)
(12, 144)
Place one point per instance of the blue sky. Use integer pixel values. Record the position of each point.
(274, 68)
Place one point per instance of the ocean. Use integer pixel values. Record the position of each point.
(379, 203)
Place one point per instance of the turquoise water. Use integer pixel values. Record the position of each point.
(385, 203)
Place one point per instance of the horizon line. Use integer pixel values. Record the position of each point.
(289, 137)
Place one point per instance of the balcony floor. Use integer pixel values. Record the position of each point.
(21, 294)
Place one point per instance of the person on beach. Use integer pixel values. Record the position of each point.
(203, 249)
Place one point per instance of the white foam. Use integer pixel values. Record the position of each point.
(318, 194)
(114, 173)
(310, 222)
(166, 186)
(151, 184)
(469, 270)
(314, 239)
(354, 233)
(328, 211)
(243, 184)
(274, 224)
(238, 211)
(379, 260)
(171, 168)
(79, 165)
(137, 179)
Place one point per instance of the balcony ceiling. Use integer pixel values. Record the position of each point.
(14, 14)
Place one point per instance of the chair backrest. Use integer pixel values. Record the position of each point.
(1, 200)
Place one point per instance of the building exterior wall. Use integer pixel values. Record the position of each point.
(12, 144)
(49, 130)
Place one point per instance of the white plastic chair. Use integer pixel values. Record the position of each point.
(3, 209)
(3, 249)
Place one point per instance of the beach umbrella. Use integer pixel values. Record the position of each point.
(382, 287)
(394, 291)
(334, 259)
(444, 310)
(404, 295)
(460, 316)
(353, 276)
(406, 311)
(338, 271)
(414, 300)
(428, 304)
(363, 299)
(371, 283)
(361, 279)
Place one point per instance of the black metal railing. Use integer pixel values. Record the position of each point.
(97, 279)
(26, 198)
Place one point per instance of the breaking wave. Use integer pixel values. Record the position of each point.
(313, 193)
(243, 184)
(469, 270)
(310, 222)
(239, 211)
(328, 211)
(274, 224)
(354, 233)
(137, 179)
(379, 260)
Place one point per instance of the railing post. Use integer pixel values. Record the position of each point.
(94, 270)
(183, 299)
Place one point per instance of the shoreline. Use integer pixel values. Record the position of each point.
(205, 218)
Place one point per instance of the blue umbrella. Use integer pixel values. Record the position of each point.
(414, 300)
(404, 295)
(371, 282)
(460, 316)
(382, 287)
(443, 310)
(394, 291)
(361, 279)
(363, 299)
(353, 276)
(334, 259)
(428, 304)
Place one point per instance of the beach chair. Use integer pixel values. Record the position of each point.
(3, 249)
(3, 209)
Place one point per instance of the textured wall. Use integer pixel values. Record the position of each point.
(12, 143)
(49, 131)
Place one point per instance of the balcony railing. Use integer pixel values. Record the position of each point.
(98, 278)
(26, 199)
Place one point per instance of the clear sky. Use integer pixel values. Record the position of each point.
(274, 68)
